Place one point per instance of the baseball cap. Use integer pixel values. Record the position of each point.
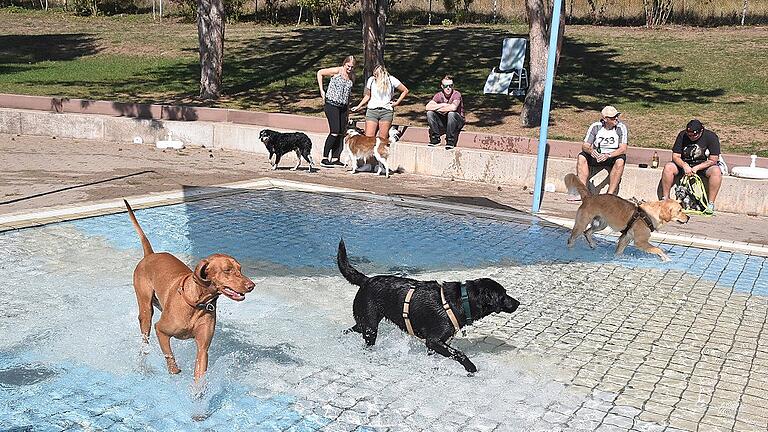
(610, 111)
(694, 126)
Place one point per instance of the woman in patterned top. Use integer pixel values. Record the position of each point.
(336, 106)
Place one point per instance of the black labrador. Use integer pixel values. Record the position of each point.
(280, 143)
(384, 297)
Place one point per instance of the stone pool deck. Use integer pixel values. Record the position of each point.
(646, 349)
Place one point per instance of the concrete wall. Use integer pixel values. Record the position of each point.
(467, 163)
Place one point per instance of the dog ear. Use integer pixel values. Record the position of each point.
(201, 271)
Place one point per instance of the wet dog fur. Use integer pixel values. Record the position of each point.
(280, 143)
(382, 297)
(600, 211)
(186, 299)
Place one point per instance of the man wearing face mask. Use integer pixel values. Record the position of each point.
(445, 114)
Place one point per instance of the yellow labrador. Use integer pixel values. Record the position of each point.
(635, 222)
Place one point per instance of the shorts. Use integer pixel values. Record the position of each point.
(379, 114)
(606, 163)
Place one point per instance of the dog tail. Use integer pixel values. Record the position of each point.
(353, 276)
(572, 182)
(144, 241)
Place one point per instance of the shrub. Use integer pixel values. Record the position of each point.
(85, 7)
(313, 7)
(339, 8)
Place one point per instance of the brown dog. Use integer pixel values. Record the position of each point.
(186, 299)
(358, 146)
(598, 211)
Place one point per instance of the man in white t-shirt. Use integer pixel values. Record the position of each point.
(605, 146)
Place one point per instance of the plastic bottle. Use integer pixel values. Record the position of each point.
(655, 160)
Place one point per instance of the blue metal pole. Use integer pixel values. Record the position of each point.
(541, 154)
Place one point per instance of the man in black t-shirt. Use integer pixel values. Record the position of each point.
(696, 150)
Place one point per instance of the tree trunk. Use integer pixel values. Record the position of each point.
(210, 31)
(539, 23)
(657, 12)
(374, 14)
(744, 12)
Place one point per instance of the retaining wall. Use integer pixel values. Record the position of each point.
(509, 161)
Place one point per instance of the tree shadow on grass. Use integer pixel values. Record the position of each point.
(18, 53)
(35, 48)
(278, 71)
(275, 71)
(590, 77)
(287, 63)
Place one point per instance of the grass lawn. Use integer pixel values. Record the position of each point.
(659, 79)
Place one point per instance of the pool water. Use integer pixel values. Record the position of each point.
(69, 345)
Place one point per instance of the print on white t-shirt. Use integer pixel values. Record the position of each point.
(606, 140)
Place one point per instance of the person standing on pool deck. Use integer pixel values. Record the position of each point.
(378, 96)
(336, 106)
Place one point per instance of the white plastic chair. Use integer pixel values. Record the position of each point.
(510, 77)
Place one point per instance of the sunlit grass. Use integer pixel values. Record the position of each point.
(659, 79)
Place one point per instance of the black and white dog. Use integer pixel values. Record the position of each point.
(427, 309)
(279, 143)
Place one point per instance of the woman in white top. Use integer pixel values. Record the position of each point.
(378, 95)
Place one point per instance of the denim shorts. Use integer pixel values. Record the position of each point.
(379, 114)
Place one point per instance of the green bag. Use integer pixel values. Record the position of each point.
(692, 194)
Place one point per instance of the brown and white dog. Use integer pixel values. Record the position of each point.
(634, 221)
(357, 146)
(186, 299)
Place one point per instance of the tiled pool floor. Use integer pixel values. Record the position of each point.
(598, 343)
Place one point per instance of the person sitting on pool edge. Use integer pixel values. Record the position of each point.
(604, 146)
(696, 150)
(445, 114)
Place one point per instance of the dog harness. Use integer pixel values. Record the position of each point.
(639, 213)
(208, 306)
(446, 307)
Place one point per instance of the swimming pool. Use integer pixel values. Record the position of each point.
(69, 353)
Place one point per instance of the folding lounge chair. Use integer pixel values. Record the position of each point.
(510, 77)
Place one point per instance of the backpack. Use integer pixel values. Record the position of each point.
(692, 194)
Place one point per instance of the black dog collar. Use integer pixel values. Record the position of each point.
(465, 303)
(208, 306)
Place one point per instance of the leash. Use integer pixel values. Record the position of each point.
(446, 307)
(639, 213)
(207, 306)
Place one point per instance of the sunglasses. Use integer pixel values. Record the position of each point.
(447, 85)
(690, 132)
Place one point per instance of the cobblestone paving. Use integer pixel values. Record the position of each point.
(599, 343)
